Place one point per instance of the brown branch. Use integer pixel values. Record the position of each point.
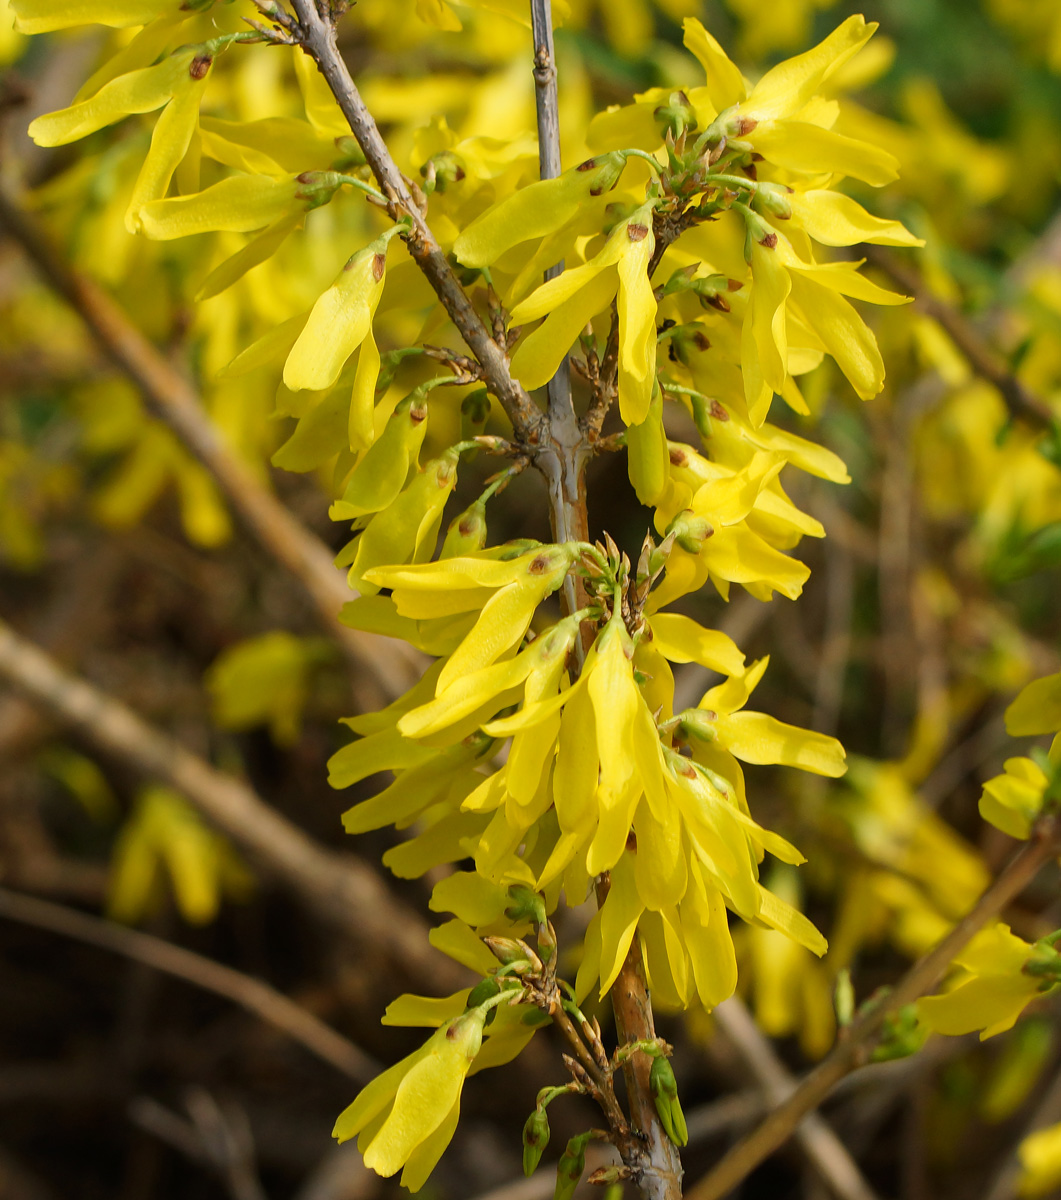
(318, 41)
(254, 995)
(173, 399)
(1021, 401)
(826, 1153)
(340, 889)
(859, 1039)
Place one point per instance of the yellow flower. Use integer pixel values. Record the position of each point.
(994, 990)
(1013, 800)
(536, 211)
(406, 1117)
(340, 320)
(239, 204)
(175, 85)
(1037, 709)
(570, 300)
(756, 737)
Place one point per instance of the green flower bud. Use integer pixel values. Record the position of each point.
(772, 200)
(901, 1036)
(535, 1140)
(511, 952)
(317, 188)
(1044, 962)
(676, 115)
(525, 905)
(665, 1094)
(475, 411)
(441, 170)
(570, 1167)
(690, 531)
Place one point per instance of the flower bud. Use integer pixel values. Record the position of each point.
(771, 199)
(690, 531)
(664, 1089)
(535, 1140)
(676, 115)
(511, 952)
(1044, 962)
(570, 1167)
(441, 170)
(475, 412)
(350, 153)
(525, 905)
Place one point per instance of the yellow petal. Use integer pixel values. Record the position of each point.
(809, 149)
(1037, 708)
(338, 323)
(239, 204)
(757, 738)
(845, 335)
(834, 219)
(535, 211)
(43, 16)
(786, 88)
(683, 640)
(170, 140)
(725, 84)
(137, 92)
(637, 323)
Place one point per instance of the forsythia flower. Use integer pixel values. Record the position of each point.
(176, 85)
(995, 990)
(406, 1117)
(1012, 801)
(569, 301)
(43, 16)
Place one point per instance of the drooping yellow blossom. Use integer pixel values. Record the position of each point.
(44, 16)
(994, 990)
(340, 320)
(406, 1117)
(570, 300)
(176, 85)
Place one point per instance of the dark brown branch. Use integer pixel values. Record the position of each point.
(252, 994)
(173, 399)
(340, 889)
(1022, 403)
(857, 1043)
(318, 41)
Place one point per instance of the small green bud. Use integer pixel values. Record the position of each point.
(475, 410)
(901, 1036)
(570, 1167)
(676, 115)
(772, 200)
(690, 531)
(535, 1140)
(1044, 962)
(665, 1094)
(317, 188)
(441, 170)
(511, 952)
(525, 905)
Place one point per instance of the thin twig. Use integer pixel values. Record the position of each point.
(862, 1035)
(344, 891)
(252, 994)
(318, 41)
(827, 1154)
(173, 399)
(1021, 401)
